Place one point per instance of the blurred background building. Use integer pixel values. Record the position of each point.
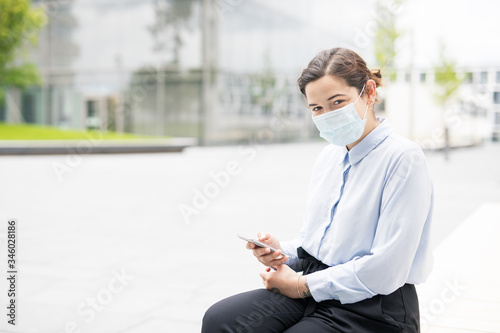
(225, 71)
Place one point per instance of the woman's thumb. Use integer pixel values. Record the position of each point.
(263, 236)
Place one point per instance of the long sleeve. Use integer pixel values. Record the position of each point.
(290, 249)
(405, 207)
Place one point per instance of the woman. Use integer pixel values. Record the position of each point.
(365, 238)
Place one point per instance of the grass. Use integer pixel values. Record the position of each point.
(35, 132)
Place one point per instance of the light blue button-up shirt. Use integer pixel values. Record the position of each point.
(368, 217)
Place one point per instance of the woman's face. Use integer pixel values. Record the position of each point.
(330, 93)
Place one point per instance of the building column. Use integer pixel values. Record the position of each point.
(13, 106)
(208, 107)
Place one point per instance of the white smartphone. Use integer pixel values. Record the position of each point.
(256, 242)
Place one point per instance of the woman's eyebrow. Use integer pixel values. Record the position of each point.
(337, 95)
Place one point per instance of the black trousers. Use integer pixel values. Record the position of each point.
(263, 311)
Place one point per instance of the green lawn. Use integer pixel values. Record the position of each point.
(33, 132)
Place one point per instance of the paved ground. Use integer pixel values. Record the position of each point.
(104, 247)
(462, 294)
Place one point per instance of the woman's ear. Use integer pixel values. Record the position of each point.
(371, 91)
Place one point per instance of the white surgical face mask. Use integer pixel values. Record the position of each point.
(342, 126)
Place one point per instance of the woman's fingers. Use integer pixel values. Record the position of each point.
(264, 254)
(261, 251)
(270, 259)
(278, 261)
(250, 246)
(263, 236)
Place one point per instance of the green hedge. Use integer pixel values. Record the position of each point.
(34, 132)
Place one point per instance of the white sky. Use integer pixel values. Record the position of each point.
(468, 27)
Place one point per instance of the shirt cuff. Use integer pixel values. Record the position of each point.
(337, 282)
(290, 248)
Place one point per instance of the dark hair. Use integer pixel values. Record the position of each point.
(341, 63)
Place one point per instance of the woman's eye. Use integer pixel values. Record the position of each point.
(339, 101)
(316, 108)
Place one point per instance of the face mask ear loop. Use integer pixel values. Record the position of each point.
(366, 112)
(361, 93)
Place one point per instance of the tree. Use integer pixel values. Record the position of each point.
(174, 14)
(386, 36)
(384, 43)
(263, 90)
(19, 26)
(446, 77)
(448, 82)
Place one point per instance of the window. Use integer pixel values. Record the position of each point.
(3, 114)
(423, 77)
(496, 97)
(91, 108)
(28, 108)
(483, 77)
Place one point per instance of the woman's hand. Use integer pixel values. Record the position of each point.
(263, 254)
(282, 281)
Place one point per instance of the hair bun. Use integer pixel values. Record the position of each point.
(377, 77)
(377, 73)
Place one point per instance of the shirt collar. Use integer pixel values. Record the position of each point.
(369, 142)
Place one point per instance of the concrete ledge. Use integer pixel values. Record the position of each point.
(455, 144)
(49, 147)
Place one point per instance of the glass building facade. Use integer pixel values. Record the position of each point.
(218, 70)
(221, 71)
